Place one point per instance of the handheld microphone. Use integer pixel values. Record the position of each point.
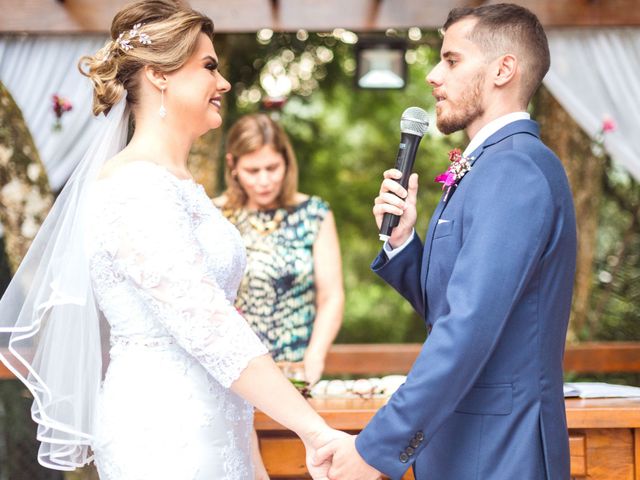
(413, 125)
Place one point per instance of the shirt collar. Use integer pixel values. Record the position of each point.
(492, 127)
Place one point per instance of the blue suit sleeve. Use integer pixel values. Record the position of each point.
(506, 225)
(403, 273)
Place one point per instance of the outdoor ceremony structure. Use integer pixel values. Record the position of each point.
(594, 76)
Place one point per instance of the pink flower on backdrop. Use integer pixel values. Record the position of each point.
(597, 144)
(60, 107)
(608, 124)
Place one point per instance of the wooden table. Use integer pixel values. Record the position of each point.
(604, 436)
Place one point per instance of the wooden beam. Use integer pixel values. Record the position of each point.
(85, 16)
(428, 15)
(603, 357)
(275, 14)
(314, 15)
(88, 16)
(373, 359)
(372, 17)
(583, 13)
(388, 358)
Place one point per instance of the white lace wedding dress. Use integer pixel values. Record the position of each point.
(165, 266)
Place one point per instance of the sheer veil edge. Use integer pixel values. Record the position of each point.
(51, 337)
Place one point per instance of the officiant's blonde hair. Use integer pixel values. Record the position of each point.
(161, 34)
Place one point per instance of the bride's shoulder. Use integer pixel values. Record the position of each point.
(124, 166)
(126, 173)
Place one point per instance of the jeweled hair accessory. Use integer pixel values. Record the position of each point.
(125, 43)
(124, 40)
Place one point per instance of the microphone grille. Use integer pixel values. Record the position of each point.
(414, 120)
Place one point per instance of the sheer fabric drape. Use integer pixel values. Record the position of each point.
(34, 68)
(596, 72)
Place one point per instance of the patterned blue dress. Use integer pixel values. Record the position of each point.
(277, 294)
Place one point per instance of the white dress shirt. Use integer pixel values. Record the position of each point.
(483, 134)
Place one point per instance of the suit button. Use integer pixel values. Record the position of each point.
(414, 443)
(419, 436)
(404, 458)
(410, 451)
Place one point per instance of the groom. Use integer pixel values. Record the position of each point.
(493, 279)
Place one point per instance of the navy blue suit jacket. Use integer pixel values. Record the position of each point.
(494, 280)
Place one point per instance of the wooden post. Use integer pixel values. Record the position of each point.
(563, 135)
(25, 196)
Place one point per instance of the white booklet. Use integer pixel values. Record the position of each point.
(599, 390)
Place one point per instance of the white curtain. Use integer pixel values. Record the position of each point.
(596, 72)
(34, 68)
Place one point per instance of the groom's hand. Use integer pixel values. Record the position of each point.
(319, 470)
(346, 462)
(393, 198)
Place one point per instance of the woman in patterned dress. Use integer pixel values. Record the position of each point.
(292, 293)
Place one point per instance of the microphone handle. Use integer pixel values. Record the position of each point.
(404, 162)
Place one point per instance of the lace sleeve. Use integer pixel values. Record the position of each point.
(160, 256)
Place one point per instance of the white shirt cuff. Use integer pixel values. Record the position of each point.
(392, 252)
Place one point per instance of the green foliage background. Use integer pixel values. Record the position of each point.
(615, 302)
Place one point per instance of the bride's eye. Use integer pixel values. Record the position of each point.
(211, 66)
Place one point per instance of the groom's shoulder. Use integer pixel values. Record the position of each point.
(522, 157)
(522, 140)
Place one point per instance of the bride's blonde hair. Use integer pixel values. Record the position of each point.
(162, 34)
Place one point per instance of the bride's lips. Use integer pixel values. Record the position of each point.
(216, 102)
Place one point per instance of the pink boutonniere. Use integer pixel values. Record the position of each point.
(457, 169)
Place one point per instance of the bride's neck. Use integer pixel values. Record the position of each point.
(162, 144)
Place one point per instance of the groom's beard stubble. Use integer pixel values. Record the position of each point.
(469, 109)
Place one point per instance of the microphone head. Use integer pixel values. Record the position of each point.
(414, 120)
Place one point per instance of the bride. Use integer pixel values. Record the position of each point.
(121, 314)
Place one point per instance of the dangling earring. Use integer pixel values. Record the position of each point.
(163, 111)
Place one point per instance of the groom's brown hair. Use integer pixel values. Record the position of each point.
(507, 28)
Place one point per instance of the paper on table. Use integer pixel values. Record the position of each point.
(599, 390)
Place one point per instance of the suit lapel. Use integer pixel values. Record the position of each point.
(426, 255)
(519, 126)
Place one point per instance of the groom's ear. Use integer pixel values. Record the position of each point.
(506, 68)
(157, 78)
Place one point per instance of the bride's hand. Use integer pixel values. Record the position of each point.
(320, 439)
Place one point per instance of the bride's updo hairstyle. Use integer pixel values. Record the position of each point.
(162, 34)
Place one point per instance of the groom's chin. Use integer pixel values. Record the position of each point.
(448, 127)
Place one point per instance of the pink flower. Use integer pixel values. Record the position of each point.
(457, 169)
(447, 179)
(608, 124)
(60, 107)
(454, 154)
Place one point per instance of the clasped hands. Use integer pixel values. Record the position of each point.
(335, 458)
